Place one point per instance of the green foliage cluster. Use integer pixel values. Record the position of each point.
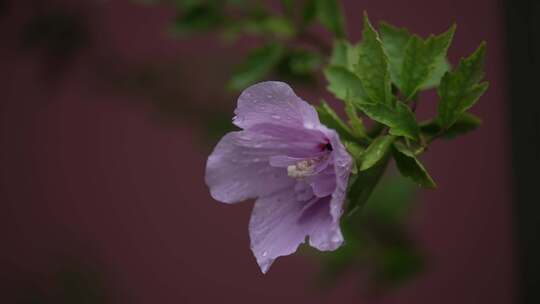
(381, 78)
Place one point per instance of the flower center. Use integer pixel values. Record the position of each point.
(307, 167)
(302, 168)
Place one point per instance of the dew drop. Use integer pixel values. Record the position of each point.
(276, 117)
(265, 254)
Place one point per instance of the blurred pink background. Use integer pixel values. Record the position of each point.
(98, 176)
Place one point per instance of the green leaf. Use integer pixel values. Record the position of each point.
(420, 59)
(357, 126)
(344, 54)
(394, 41)
(372, 67)
(400, 119)
(361, 185)
(342, 82)
(309, 11)
(391, 202)
(376, 151)
(339, 53)
(302, 62)
(356, 151)
(260, 26)
(399, 263)
(198, 17)
(288, 5)
(268, 25)
(257, 65)
(465, 123)
(330, 119)
(460, 90)
(441, 67)
(410, 166)
(330, 15)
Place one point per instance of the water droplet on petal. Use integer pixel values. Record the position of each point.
(308, 125)
(276, 117)
(265, 254)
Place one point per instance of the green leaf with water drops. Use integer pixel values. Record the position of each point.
(460, 89)
(372, 67)
(258, 64)
(376, 151)
(410, 166)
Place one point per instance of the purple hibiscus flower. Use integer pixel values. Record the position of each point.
(296, 168)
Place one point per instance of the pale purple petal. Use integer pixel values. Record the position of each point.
(324, 232)
(238, 169)
(324, 183)
(342, 166)
(303, 192)
(273, 102)
(273, 227)
(291, 134)
(279, 224)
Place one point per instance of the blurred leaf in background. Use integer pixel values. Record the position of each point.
(57, 35)
(378, 248)
(256, 66)
(287, 48)
(68, 280)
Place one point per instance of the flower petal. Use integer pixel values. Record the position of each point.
(239, 168)
(279, 224)
(342, 166)
(273, 102)
(324, 183)
(324, 232)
